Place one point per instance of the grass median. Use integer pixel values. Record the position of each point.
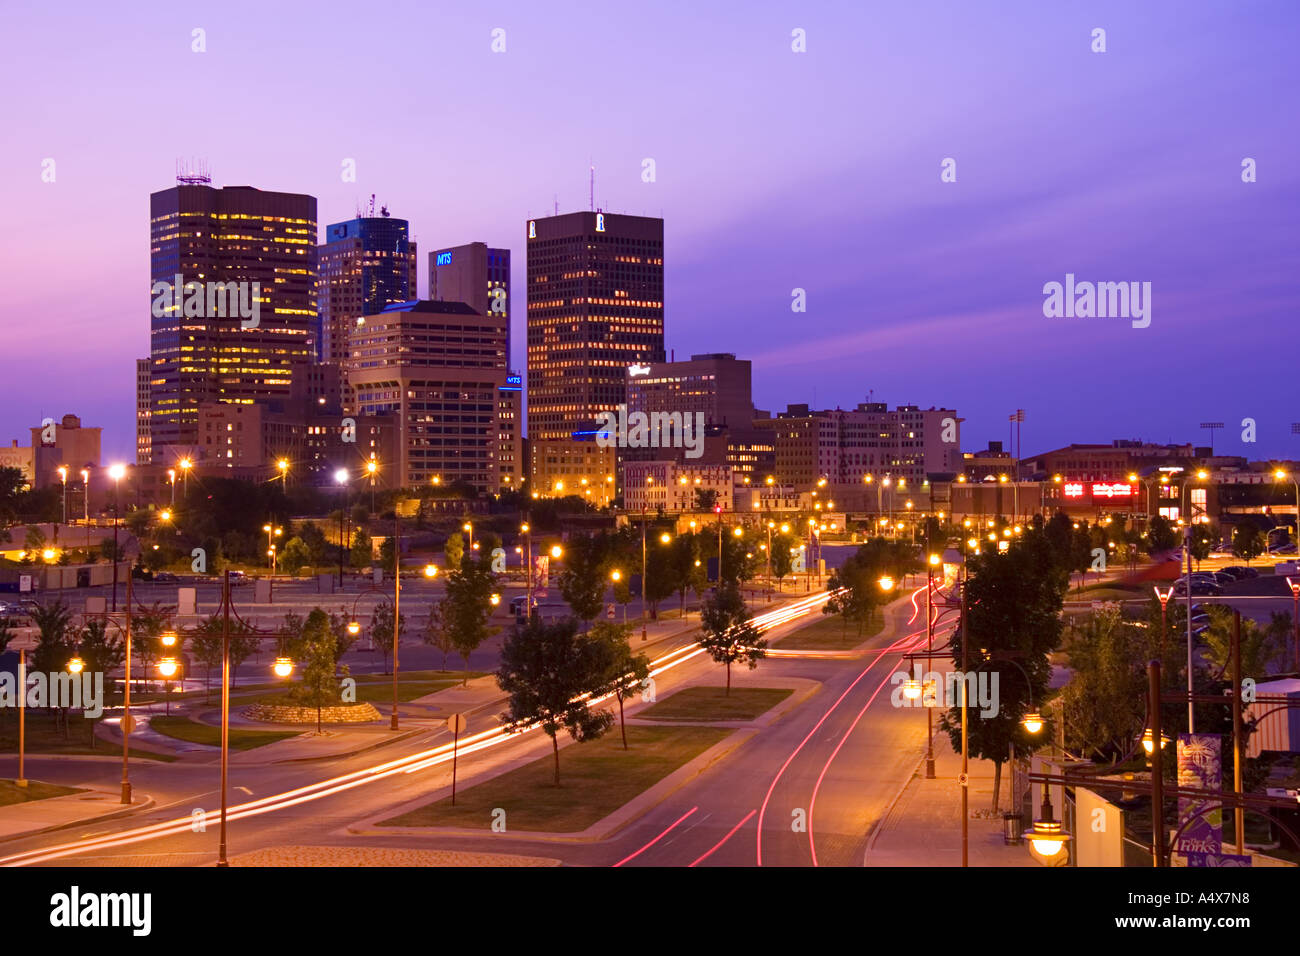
(596, 778)
(713, 703)
(11, 793)
(829, 633)
(191, 731)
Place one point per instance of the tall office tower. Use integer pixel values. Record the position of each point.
(239, 327)
(471, 274)
(366, 264)
(595, 307)
(438, 368)
(142, 453)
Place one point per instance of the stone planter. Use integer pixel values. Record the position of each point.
(291, 714)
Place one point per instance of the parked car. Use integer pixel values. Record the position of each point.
(1200, 587)
(239, 577)
(1239, 572)
(165, 577)
(1223, 578)
(1286, 568)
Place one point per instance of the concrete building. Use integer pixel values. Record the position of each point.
(365, 265)
(438, 368)
(65, 443)
(716, 385)
(673, 486)
(473, 274)
(595, 307)
(845, 447)
(512, 468)
(217, 338)
(143, 447)
(570, 467)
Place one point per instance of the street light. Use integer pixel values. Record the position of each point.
(372, 466)
(341, 479)
(116, 472)
(63, 475)
(185, 465)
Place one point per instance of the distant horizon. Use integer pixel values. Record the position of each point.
(774, 171)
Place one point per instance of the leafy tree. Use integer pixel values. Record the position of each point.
(582, 580)
(705, 499)
(102, 651)
(52, 623)
(547, 669)
(729, 635)
(381, 630)
(319, 686)
(294, 557)
(1204, 538)
(659, 581)
(1161, 535)
(363, 550)
(1013, 620)
(343, 638)
(6, 634)
(205, 641)
(1247, 541)
(314, 538)
(387, 554)
(850, 598)
(468, 606)
(622, 671)
(436, 632)
(1259, 645)
(454, 550)
(686, 567)
(782, 556)
(1103, 703)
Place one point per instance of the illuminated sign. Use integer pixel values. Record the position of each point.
(1106, 489)
(638, 370)
(514, 380)
(1073, 489)
(600, 222)
(444, 258)
(532, 230)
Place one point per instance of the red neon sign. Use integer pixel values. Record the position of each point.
(1108, 489)
(1073, 489)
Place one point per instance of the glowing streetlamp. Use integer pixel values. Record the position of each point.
(282, 667)
(76, 665)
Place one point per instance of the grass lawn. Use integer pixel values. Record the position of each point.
(596, 778)
(381, 692)
(182, 728)
(828, 633)
(43, 737)
(712, 703)
(11, 793)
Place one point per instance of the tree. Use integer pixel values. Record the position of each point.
(436, 632)
(622, 672)
(729, 636)
(205, 645)
(319, 686)
(102, 651)
(1103, 703)
(1259, 645)
(1204, 538)
(583, 580)
(454, 550)
(387, 554)
(782, 556)
(314, 538)
(1161, 535)
(548, 669)
(468, 605)
(294, 557)
(1013, 620)
(1247, 541)
(363, 550)
(705, 499)
(52, 622)
(381, 630)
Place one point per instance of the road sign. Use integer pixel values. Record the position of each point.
(609, 611)
(963, 779)
(456, 723)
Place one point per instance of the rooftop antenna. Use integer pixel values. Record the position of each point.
(195, 174)
(557, 204)
(372, 205)
(592, 198)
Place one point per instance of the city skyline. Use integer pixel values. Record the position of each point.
(1108, 167)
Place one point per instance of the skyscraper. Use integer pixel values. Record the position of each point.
(238, 328)
(366, 264)
(471, 274)
(438, 368)
(595, 307)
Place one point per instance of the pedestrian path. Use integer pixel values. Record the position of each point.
(923, 827)
(75, 808)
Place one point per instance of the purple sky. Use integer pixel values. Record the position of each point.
(775, 170)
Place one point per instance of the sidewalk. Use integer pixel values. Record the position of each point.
(75, 809)
(923, 827)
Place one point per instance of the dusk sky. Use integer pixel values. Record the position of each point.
(775, 170)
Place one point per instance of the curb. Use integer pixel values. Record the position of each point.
(147, 804)
(879, 826)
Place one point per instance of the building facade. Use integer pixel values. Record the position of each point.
(595, 307)
(438, 368)
(218, 337)
(674, 486)
(476, 275)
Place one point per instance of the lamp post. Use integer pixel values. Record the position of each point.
(186, 464)
(282, 466)
(272, 532)
(341, 479)
(21, 781)
(397, 602)
(528, 564)
(929, 647)
(1163, 597)
(1295, 618)
(126, 699)
(116, 472)
(468, 528)
(1281, 475)
(63, 476)
(372, 466)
